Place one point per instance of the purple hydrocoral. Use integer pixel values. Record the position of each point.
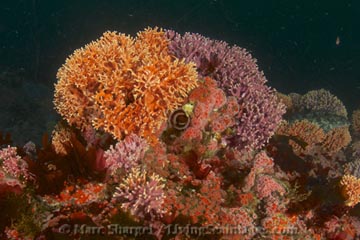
(324, 101)
(142, 195)
(237, 73)
(126, 154)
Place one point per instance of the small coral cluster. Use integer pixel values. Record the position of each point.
(169, 136)
(318, 118)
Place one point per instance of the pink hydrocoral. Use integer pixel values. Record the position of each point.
(237, 73)
(13, 171)
(126, 153)
(13, 164)
(142, 195)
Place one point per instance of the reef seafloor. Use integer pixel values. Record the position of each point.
(169, 136)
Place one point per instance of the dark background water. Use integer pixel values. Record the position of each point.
(294, 42)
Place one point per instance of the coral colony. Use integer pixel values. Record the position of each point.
(169, 136)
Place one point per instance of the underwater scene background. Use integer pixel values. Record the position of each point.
(207, 119)
(295, 43)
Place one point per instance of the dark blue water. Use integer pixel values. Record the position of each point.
(300, 45)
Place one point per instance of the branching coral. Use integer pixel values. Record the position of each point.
(312, 134)
(286, 100)
(306, 131)
(141, 194)
(323, 101)
(78, 78)
(13, 164)
(60, 137)
(126, 154)
(123, 85)
(238, 75)
(336, 139)
(351, 189)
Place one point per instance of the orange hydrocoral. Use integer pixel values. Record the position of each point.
(123, 85)
(79, 79)
(336, 139)
(351, 189)
(306, 131)
(60, 136)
